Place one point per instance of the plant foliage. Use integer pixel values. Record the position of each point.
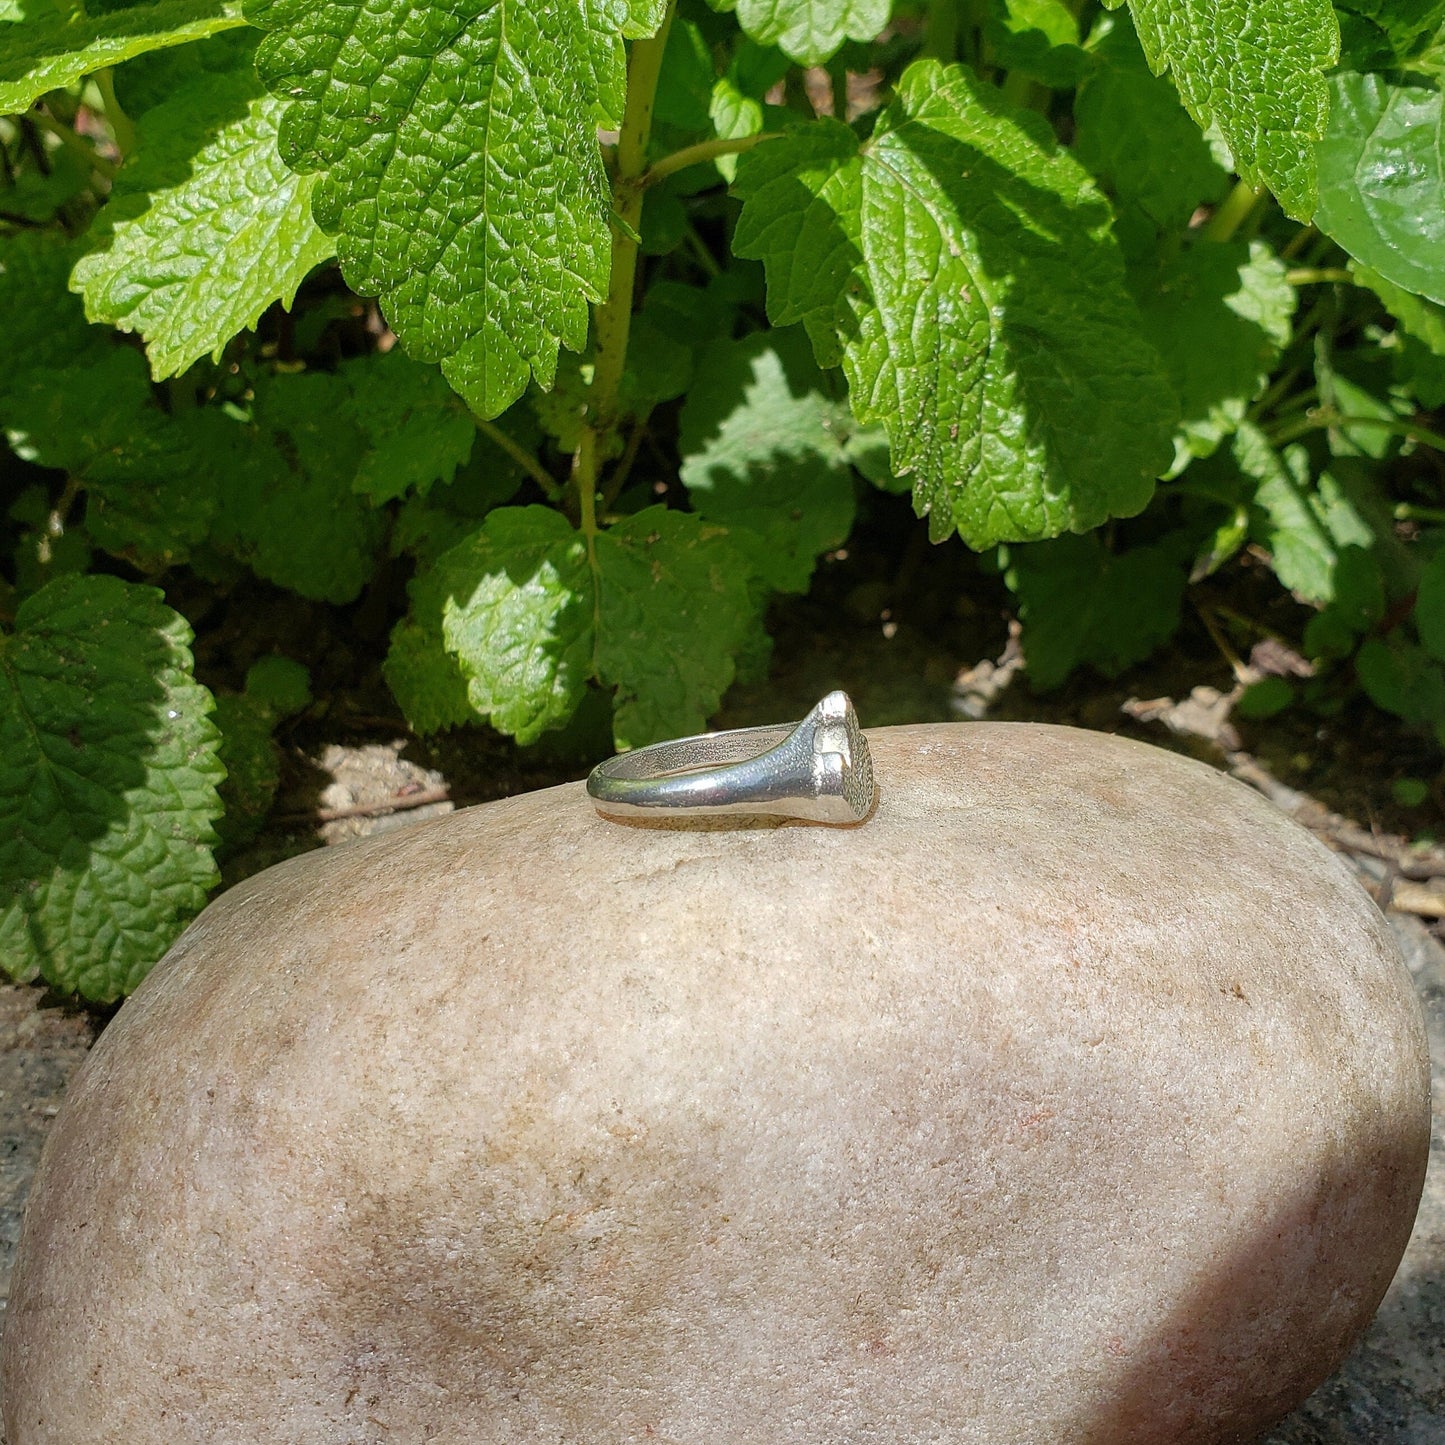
(556, 339)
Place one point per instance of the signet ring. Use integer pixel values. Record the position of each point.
(817, 770)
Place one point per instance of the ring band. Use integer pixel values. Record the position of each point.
(817, 770)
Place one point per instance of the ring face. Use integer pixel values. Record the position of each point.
(818, 770)
(842, 762)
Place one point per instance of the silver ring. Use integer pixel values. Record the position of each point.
(818, 770)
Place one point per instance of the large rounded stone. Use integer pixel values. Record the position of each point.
(1077, 1097)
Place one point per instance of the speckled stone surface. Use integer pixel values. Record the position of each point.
(1391, 1390)
(1078, 1097)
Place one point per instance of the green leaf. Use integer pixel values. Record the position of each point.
(1363, 45)
(811, 31)
(1038, 38)
(280, 686)
(660, 618)
(145, 83)
(641, 17)
(513, 607)
(734, 115)
(43, 552)
(1410, 792)
(205, 227)
(1219, 316)
(1422, 373)
(426, 680)
(430, 524)
(81, 402)
(65, 416)
(276, 687)
(1303, 526)
(108, 778)
(674, 323)
(253, 769)
(1080, 603)
(152, 494)
(43, 322)
(1134, 135)
(1350, 399)
(763, 446)
(1428, 57)
(1404, 24)
(460, 171)
(49, 51)
(560, 411)
(1422, 319)
(1050, 18)
(1264, 699)
(960, 266)
(738, 105)
(288, 508)
(37, 196)
(84, 405)
(418, 430)
(684, 88)
(674, 611)
(1382, 180)
(1254, 68)
(1430, 606)
(423, 530)
(1221, 544)
(1403, 679)
(664, 223)
(1358, 603)
(1418, 345)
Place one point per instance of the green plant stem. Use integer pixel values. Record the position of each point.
(941, 31)
(1246, 624)
(613, 318)
(1233, 212)
(1277, 390)
(623, 469)
(700, 252)
(1306, 400)
(520, 455)
(708, 150)
(1407, 512)
(121, 126)
(795, 93)
(59, 518)
(30, 139)
(1326, 419)
(1312, 320)
(1319, 276)
(1237, 665)
(1026, 94)
(73, 142)
(1297, 243)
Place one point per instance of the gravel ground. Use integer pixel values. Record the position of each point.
(42, 1042)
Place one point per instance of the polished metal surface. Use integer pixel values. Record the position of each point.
(817, 770)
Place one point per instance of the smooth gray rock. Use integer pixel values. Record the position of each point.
(1391, 1389)
(1078, 1097)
